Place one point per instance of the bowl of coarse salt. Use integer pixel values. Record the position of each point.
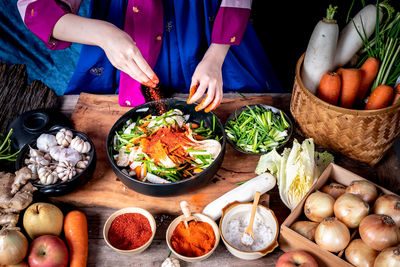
(234, 221)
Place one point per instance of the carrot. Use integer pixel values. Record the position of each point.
(76, 235)
(329, 87)
(396, 98)
(369, 70)
(351, 79)
(380, 97)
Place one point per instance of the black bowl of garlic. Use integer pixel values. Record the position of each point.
(60, 160)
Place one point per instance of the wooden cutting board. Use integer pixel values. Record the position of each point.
(96, 114)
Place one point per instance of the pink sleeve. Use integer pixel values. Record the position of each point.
(40, 16)
(231, 22)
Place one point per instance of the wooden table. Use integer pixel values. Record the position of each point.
(386, 173)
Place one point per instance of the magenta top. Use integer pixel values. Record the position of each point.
(40, 16)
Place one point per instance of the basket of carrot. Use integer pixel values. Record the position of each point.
(346, 93)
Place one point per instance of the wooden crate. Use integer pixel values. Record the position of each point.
(290, 240)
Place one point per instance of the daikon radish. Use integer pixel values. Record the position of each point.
(243, 193)
(350, 41)
(320, 53)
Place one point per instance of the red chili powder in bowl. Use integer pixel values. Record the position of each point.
(129, 231)
(196, 240)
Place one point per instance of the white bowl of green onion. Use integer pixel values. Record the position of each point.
(258, 129)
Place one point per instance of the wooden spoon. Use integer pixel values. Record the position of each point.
(187, 216)
(248, 235)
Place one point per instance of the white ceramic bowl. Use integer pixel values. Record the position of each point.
(130, 210)
(202, 218)
(237, 209)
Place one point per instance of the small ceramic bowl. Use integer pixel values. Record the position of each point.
(238, 209)
(202, 218)
(275, 110)
(130, 210)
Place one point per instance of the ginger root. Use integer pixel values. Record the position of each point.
(22, 176)
(16, 193)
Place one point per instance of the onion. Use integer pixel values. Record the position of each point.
(366, 190)
(318, 206)
(305, 228)
(334, 189)
(350, 209)
(332, 235)
(388, 205)
(359, 254)
(21, 264)
(13, 247)
(388, 257)
(378, 231)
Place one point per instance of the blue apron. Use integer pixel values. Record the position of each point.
(187, 35)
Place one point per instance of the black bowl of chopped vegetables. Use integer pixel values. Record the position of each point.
(150, 152)
(258, 129)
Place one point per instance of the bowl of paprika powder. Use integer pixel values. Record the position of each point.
(195, 243)
(129, 230)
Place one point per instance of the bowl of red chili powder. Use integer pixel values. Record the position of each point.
(130, 230)
(195, 243)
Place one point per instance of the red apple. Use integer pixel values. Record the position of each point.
(48, 251)
(296, 258)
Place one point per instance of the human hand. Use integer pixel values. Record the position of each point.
(208, 76)
(123, 54)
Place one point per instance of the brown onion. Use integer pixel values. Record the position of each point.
(388, 257)
(334, 189)
(366, 190)
(13, 247)
(318, 206)
(389, 205)
(359, 254)
(305, 228)
(332, 235)
(378, 231)
(350, 209)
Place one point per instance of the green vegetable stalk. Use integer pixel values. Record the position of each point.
(5, 148)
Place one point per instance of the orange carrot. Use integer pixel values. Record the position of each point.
(329, 87)
(351, 79)
(76, 235)
(396, 98)
(369, 70)
(380, 97)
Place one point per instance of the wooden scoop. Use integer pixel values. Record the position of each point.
(187, 216)
(248, 235)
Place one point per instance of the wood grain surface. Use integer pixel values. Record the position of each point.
(96, 114)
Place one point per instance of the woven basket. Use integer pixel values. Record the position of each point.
(363, 135)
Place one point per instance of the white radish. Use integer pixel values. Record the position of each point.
(350, 41)
(320, 53)
(243, 193)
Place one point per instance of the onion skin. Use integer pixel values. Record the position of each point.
(332, 235)
(21, 264)
(388, 257)
(318, 206)
(378, 231)
(10, 251)
(366, 190)
(388, 204)
(359, 254)
(305, 228)
(350, 209)
(334, 189)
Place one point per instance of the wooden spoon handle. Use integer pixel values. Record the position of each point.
(185, 209)
(253, 213)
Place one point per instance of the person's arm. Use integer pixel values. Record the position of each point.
(57, 25)
(228, 29)
(119, 47)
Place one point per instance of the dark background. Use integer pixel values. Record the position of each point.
(284, 28)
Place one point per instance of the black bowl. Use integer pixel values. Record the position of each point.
(59, 189)
(175, 188)
(275, 110)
